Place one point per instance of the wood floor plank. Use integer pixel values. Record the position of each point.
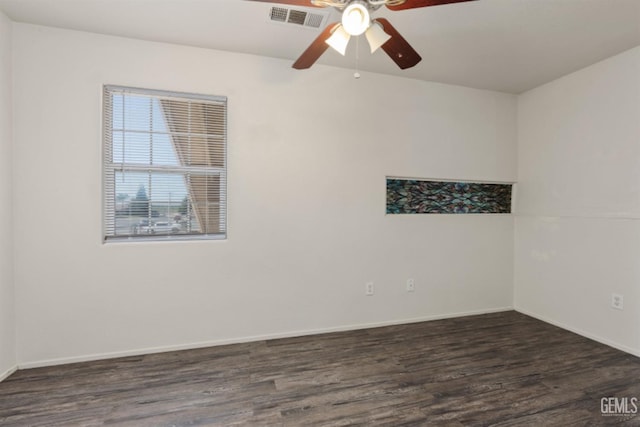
(503, 369)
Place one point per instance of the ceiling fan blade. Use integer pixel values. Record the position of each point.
(413, 4)
(316, 49)
(305, 3)
(398, 49)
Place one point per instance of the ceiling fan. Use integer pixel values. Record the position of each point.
(356, 20)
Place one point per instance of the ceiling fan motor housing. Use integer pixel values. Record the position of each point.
(371, 5)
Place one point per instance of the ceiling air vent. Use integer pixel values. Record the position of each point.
(298, 17)
(314, 20)
(279, 14)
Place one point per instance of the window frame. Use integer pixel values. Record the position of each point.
(110, 168)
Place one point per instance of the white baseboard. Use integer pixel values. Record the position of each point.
(190, 346)
(618, 346)
(4, 375)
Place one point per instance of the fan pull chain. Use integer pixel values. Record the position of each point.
(356, 75)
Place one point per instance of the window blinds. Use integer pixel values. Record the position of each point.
(164, 165)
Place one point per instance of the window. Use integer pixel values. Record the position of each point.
(164, 165)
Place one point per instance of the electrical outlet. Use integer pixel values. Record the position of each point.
(411, 285)
(617, 301)
(368, 289)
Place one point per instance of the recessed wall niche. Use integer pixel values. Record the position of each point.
(415, 196)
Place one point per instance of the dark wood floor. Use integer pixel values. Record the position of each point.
(498, 369)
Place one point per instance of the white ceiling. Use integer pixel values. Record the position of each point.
(504, 45)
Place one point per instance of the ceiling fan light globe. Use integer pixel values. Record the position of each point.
(376, 36)
(355, 18)
(339, 40)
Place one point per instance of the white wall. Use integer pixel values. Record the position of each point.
(308, 156)
(578, 228)
(7, 309)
